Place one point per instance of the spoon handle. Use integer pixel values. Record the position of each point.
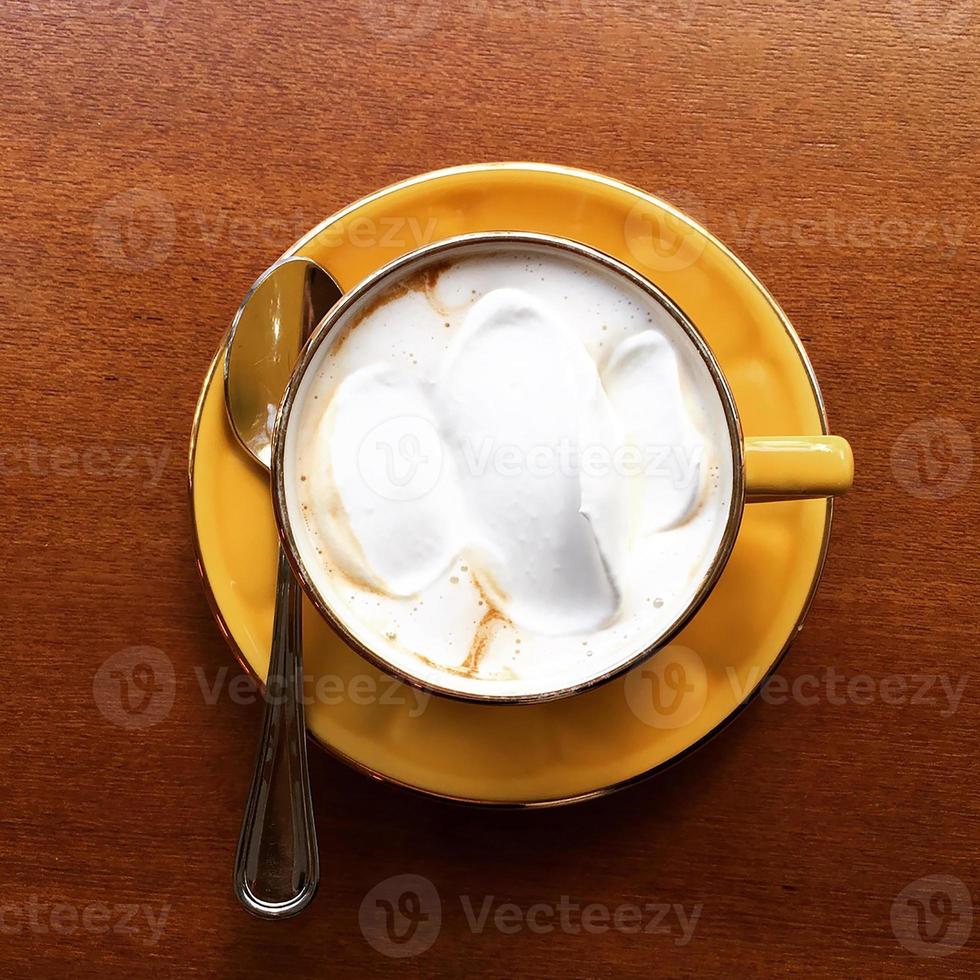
(277, 868)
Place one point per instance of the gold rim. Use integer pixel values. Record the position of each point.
(402, 266)
(807, 603)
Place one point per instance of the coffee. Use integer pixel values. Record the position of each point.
(509, 471)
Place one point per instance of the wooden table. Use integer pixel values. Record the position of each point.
(155, 155)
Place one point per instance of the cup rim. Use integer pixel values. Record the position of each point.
(375, 280)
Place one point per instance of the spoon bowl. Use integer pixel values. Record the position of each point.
(273, 323)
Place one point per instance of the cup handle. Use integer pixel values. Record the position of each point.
(796, 467)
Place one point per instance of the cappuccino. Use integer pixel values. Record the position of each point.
(508, 472)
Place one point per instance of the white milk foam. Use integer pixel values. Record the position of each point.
(510, 473)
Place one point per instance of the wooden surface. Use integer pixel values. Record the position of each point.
(155, 155)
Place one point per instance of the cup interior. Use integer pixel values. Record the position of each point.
(385, 629)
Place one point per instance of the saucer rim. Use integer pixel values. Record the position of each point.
(611, 788)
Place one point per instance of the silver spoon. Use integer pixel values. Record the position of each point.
(277, 867)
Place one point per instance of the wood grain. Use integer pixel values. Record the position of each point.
(835, 148)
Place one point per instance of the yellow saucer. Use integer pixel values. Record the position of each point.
(590, 744)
